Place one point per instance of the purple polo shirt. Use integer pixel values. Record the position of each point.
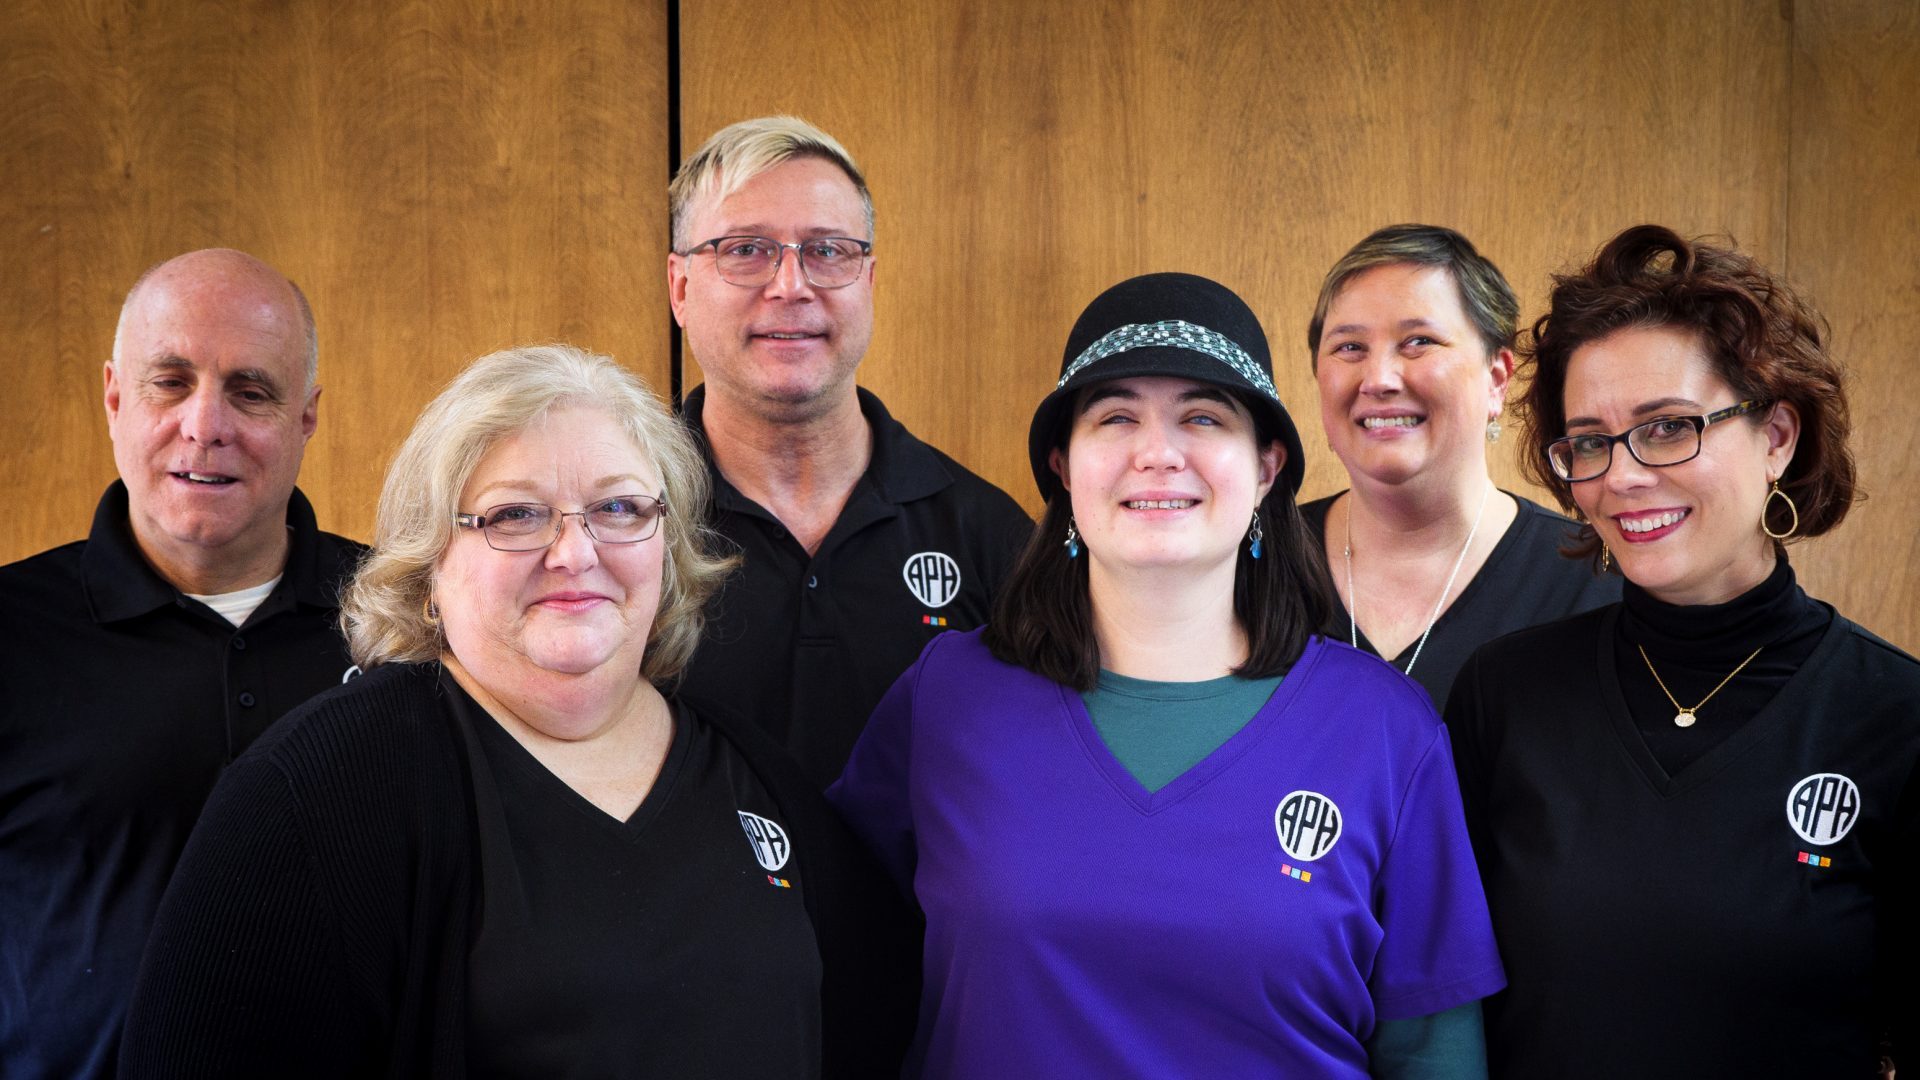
(1256, 916)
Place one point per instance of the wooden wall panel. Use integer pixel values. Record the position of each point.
(1025, 156)
(451, 176)
(443, 177)
(1855, 229)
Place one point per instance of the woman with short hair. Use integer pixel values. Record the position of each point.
(1156, 826)
(504, 850)
(1698, 810)
(1412, 348)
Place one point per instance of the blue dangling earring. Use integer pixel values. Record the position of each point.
(1254, 536)
(1073, 541)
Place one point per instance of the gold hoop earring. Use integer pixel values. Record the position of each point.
(428, 613)
(1793, 510)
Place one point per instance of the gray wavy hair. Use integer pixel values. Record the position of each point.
(383, 611)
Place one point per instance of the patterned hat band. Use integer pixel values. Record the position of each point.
(1177, 334)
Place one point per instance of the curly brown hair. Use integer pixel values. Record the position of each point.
(1762, 338)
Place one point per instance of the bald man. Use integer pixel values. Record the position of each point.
(135, 664)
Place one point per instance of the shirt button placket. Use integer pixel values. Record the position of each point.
(813, 597)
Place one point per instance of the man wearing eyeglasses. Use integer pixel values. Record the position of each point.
(860, 541)
(139, 662)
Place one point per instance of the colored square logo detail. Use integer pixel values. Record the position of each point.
(933, 620)
(1824, 861)
(1804, 857)
(1286, 869)
(782, 882)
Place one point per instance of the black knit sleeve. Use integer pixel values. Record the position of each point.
(244, 974)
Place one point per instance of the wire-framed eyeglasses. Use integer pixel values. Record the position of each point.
(623, 519)
(1658, 443)
(828, 262)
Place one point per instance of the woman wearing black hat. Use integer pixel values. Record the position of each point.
(1156, 827)
(1412, 348)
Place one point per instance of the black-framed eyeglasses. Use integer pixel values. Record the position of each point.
(623, 519)
(1658, 443)
(829, 262)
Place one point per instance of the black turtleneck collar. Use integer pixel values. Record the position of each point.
(1708, 633)
(1693, 647)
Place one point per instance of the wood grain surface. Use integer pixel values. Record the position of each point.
(1854, 217)
(1026, 156)
(445, 177)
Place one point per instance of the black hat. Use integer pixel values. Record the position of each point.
(1176, 325)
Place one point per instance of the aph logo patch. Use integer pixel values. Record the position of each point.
(1308, 823)
(1823, 807)
(769, 840)
(933, 577)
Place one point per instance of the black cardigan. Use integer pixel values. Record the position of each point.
(319, 920)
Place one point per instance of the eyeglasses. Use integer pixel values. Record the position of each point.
(829, 262)
(1658, 443)
(623, 519)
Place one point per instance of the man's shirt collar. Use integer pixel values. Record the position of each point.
(121, 584)
(902, 468)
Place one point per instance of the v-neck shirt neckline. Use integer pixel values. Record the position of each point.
(1694, 647)
(505, 752)
(1160, 729)
(1775, 714)
(1462, 602)
(1219, 760)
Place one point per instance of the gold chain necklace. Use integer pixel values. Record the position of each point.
(1685, 717)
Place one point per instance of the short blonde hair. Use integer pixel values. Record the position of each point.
(383, 612)
(739, 152)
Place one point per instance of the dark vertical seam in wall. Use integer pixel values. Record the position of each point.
(675, 373)
(1793, 114)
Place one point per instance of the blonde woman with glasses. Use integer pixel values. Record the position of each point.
(506, 850)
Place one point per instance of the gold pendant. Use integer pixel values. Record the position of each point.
(1684, 718)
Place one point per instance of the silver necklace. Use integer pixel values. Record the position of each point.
(1353, 598)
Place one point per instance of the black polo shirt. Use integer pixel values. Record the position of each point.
(120, 702)
(806, 644)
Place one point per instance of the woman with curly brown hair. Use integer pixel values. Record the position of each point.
(1696, 811)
